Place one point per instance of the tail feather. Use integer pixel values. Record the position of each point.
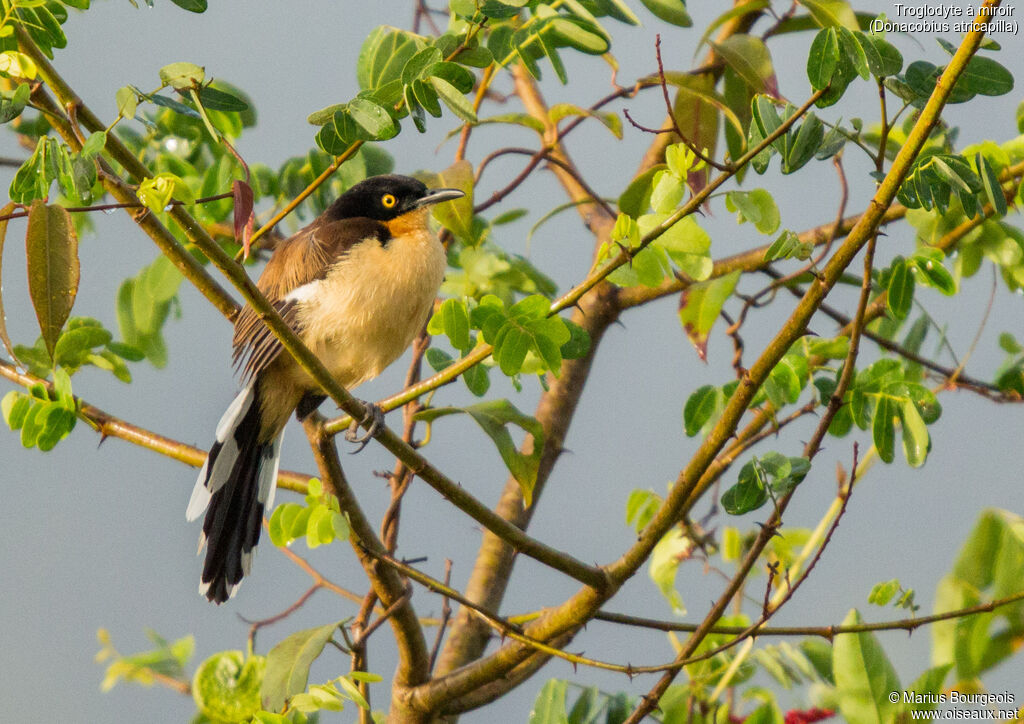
(235, 487)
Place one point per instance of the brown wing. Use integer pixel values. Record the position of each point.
(303, 258)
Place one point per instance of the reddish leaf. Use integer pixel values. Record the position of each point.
(4, 212)
(243, 213)
(699, 307)
(697, 117)
(51, 246)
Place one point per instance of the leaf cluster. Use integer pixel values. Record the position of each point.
(320, 519)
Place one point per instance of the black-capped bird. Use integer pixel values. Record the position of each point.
(356, 285)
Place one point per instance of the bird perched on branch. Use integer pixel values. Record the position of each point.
(356, 285)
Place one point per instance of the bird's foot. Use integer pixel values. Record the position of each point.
(374, 416)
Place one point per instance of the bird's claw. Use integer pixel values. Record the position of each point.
(374, 416)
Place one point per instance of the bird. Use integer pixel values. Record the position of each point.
(356, 285)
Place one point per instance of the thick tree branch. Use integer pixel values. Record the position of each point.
(390, 588)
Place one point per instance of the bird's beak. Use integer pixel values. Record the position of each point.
(436, 196)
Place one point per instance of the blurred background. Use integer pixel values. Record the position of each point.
(95, 535)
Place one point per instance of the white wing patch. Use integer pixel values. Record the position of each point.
(224, 454)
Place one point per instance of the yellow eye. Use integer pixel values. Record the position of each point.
(388, 201)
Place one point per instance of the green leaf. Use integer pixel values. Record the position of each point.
(732, 13)
(671, 11)
(641, 507)
(525, 328)
(17, 65)
(686, 244)
(700, 306)
(287, 665)
(915, 435)
(864, 676)
(756, 206)
(457, 215)
(805, 145)
(882, 593)
(384, 54)
(883, 429)
(884, 59)
(900, 290)
(53, 267)
(927, 687)
(986, 77)
(578, 33)
(452, 320)
(579, 341)
(15, 407)
(12, 103)
(549, 706)
(750, 491)
(823, 58)
(220, 100)
(749, 57)
(788, 246)
(636, 199)
(667, 192)
(501, 8)
(827, 13)
(993, 189)
(928, 263)
(563, 110)
(373, 119)
(853, 51)
(226, 687)
(455, 74)
(415, 68)
(476, 379)
(700, 406)
(454, 99)
(182, 76)
(426, 97)
(665, 559)
(193, 6)
(493, 417)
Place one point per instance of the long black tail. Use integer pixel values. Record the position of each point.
(234, 487)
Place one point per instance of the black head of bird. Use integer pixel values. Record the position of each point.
(356, 285)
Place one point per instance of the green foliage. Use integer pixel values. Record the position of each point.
(762, 478)
(788, 246)
(1010, 375)
(882, 593)
(864, 676)
(756, 206)
(168, 659)
(796, 147)
(674, 547)
(143, 306)
(641, 507)
(700, 306)
(45, 416)
(683, 245)
(987, 568)
(320, 519)
(524, 328)
(51, 246)
(287, 665)
(226, 687)
(880, 397)
(494, 417)
(84, 341)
